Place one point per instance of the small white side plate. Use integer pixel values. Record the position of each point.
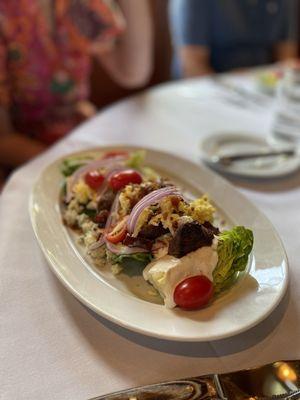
(249, 301)
(224, 144)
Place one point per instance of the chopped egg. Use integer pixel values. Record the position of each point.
(83, 193)
(200, 209)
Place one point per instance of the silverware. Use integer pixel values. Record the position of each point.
(279, 380)
(243, 96)
(228, 160)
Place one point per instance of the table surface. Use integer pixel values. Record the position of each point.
(51, 346)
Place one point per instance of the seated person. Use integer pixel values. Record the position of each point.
(216, 36)
(46, 49)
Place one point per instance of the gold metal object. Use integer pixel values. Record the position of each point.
(279, 380)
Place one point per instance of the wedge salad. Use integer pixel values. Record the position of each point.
(129, 216)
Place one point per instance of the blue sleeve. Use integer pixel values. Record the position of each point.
(190, 22)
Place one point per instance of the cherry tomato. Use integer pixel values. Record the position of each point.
(193, 292)
(118, 233)
(94, 179)
(123, 178)
(116, 153)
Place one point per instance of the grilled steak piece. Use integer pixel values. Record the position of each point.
(106, 200)
(212, 228)
(138, 242)
(190, 237)
(101, 218)
(152, 232)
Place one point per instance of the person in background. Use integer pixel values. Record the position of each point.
(46, 49)
(220, 35)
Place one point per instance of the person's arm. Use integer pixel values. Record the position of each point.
(195, 61)
(190, 28)
(284, 51)
(287, 46)
(15, 149)
(129, 62)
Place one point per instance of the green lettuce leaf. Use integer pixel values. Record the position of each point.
(71, 164)
(132, 263)
(234, 247)
(136, 159)
(90, 213)
(149, 174)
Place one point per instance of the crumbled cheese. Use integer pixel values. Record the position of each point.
(99, 256)
(116, 269)
(129, 195)
(90, 238)
(72, 211)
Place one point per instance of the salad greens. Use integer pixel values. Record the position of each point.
(136, 159)
(136, 260)
(89, 212)
(234, 247)
(71, 164)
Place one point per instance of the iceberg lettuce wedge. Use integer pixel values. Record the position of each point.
(234, 247)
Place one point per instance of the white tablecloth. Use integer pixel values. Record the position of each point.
(51, 347)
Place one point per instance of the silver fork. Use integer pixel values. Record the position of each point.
(240, 96)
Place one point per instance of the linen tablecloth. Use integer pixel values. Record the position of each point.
(51, 346)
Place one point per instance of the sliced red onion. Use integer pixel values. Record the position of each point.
(113, 211)
(108, 175)
(98, 163)
(124, 249)
(117, 249)
(146, 201)
(110, 219)
(102, 190)
(115, 170)
(97, 244)
(140, 204)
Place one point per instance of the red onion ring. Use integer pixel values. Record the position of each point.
(102, 239)
(146, 201)
(110, 221)
(100, 242)
(98, 163)
(108, 175)
(124, 249)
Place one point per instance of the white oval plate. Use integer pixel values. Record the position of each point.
(249, 301)
(224, 144)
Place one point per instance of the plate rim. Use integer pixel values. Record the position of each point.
(54, 268)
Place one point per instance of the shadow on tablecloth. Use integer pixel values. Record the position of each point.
(217, 348)
(271, 185)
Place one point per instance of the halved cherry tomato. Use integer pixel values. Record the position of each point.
(116, 153)
(94, 179)
(118, 233)
(193, 292)
(123, 178)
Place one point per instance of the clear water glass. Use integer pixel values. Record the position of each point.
(286, 123)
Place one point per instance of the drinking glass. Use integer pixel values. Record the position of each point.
(286, 123)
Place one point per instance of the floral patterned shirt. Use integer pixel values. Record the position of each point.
(44, 72)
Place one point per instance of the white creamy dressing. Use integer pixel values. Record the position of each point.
(168, 271)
